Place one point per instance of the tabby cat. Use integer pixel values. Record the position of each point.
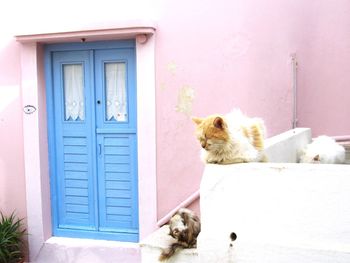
(234, 138)
(184, 227)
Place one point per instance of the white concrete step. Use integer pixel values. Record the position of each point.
(76, 250)
(152, 247)
(286, 147)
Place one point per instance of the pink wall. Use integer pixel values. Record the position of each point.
(12, 184)
(324, 62)
(232, 55)
(210, 57)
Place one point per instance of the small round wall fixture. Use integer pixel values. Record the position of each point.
(29, 109)
(141, 38)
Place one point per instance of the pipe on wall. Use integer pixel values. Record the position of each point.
(294, 63)
(185, 203)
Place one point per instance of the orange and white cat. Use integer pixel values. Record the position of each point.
(233, 138)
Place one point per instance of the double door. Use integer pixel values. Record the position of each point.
(93, 140)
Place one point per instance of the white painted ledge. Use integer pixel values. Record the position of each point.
(285, 147)
(280, 213)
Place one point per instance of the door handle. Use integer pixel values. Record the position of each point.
(99, 149)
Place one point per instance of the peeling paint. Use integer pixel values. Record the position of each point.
(185, 100)
(162, 86)
(172, 67)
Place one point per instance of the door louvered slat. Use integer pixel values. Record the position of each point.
(118, 209)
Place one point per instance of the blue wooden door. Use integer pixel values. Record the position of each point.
(92, 140)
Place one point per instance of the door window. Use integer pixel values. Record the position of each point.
(73, 92)
(116, 92)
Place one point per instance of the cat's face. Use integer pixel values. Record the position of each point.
(211, 132)
(316, 159)
(310, 158)
(177, 226)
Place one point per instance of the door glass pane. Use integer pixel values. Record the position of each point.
(116, 97)
(73, 92)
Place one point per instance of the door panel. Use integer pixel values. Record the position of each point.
(73, 142)
(117, 182)
(94, 172)
(116, 137)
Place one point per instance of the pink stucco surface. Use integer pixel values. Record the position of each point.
(221, 55)
(12, 184)
(324, 61)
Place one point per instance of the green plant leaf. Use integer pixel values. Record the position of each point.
(11, 238)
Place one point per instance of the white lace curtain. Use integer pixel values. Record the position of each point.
(74, 92)
(116, 97)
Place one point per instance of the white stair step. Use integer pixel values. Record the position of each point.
(76, 250)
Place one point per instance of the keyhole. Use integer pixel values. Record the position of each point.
(98, 102)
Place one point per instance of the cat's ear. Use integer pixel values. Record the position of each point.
(218, 123)
(197, 120)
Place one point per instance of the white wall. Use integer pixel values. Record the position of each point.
(280, 213)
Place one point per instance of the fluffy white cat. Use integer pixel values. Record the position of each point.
(323, 149)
